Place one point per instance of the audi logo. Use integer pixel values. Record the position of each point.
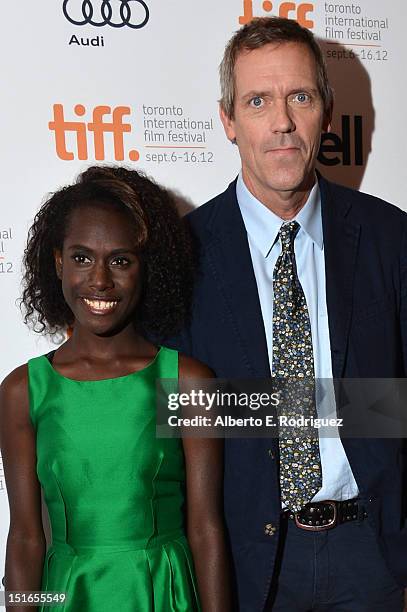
(115, 13)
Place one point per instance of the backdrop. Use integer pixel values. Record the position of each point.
(136, 82)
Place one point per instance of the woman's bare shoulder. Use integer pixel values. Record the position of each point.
(14, 387)
(192, 368)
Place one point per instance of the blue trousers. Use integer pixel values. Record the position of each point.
(338, 570)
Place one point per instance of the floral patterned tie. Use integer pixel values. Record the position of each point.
(300, 463)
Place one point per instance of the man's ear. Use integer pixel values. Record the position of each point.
(228, 125)
(327, 121)
(58, 262)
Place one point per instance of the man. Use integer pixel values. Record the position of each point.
(298, 276)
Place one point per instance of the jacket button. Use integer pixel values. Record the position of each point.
(270, 453)
(269, 529)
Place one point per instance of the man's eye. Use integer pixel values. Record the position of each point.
(81, 259)
(257, 102)
(301, 98)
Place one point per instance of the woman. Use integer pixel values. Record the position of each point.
(108, 257)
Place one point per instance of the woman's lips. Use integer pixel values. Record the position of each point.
(100, 306)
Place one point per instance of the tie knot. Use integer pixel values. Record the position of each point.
(288, 232)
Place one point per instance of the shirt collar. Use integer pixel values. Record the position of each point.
(263, 225)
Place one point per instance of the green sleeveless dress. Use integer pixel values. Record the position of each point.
(114, 492)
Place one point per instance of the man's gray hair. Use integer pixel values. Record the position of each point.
(262, 31)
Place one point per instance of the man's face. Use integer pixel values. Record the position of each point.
(278, 119)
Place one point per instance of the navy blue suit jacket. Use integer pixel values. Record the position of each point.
(366, 285)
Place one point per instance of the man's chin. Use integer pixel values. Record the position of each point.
(288, 186)
(290, 181)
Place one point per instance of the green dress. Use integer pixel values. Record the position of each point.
(114, 492)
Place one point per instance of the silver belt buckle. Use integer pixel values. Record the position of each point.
(327, 525)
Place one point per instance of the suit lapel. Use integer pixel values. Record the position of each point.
(229, 257)
(341, 240)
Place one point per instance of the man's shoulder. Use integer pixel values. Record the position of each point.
(366, 207)
(205, 214)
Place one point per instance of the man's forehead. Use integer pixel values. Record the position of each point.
(272, 50)
(281, 60)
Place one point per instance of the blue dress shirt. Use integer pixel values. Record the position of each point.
(262, 227)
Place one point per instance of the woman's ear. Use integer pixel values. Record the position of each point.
(58, 262)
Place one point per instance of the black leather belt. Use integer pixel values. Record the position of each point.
(318, 516)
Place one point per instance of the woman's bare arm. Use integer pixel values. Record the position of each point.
(205, 522)
(26, 542)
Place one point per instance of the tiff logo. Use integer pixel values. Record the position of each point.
(99, 127)
(290, 10)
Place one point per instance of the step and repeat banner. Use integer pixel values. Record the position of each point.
(136, 82)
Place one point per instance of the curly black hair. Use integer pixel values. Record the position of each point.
(162, 240)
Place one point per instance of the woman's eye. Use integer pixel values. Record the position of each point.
(81, 259)
(120, 261)
(302, 98)
(257, 102)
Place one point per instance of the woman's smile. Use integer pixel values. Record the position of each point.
(100, 306)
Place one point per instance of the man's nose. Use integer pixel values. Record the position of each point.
(281, 117)
(101, 277)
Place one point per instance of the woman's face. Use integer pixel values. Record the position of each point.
(99, 269)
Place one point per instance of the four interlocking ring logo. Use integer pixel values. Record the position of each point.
(100, 13)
